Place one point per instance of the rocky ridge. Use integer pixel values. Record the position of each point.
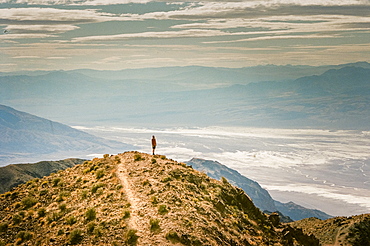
(137, 199)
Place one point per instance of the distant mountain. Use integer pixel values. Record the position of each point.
(260, 197)
(13, 175)
(330, 97)
(137, 199)
(25, 136)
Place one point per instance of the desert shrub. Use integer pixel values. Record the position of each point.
(126, 214)
(86, 170)
(138, 157)
(173, 237)
(23, 236)
(163, 157)
(56, 181)
(60, 232)
(55, 216)
(14, 195)
(194, 179)
(3, 227)
(84, 194)
(43, 192)
(105, 156)
(154, 161)
(63, 207)
(224, 180)
(75, 237)
(166, 179)
(90, 227)
(117, 159)
(131, 237)
(29, 202)
(96, 187)
(146, 182)
(98, 231)
(90, 214)
(162, 209)
(100, 173)
(119, 187)
(41, 212)
(154, 200)
(71, 220)
(154, 224)
(17, 218)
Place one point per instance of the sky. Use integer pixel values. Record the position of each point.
(121, 34)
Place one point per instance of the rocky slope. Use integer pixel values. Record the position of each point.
(13, 175)
(137, 199)
(354, 231)
(260, 197)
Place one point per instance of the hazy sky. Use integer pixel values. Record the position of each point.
(118, 34)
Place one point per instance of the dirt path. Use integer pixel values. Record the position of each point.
(141, 211)
(131, 197)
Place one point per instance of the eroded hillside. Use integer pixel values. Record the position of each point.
(137, 199)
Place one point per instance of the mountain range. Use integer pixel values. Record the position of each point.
(25, 137)
(331, 97)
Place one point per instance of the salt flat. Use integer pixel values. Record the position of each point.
(320, 169)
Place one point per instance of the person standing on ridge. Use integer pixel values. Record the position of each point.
(154, 144)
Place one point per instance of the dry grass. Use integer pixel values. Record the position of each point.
(133, 199)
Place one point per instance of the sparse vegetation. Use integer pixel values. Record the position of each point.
(162, 209)
(90, 214)
(131, 237)
(96, 187)
(75, 237)
(23, 236)
(41, 212)
(29, 202)
(100, 173)
(71, 220)
(126, 214)
(154, 225)
(88, 205)
(56, 181)
(3, 227)
(138, 157)
(90, 227)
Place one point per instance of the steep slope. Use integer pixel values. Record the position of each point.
(260, 197)
(13, 175)
(25, 135)
(137, 199)
(354, 231)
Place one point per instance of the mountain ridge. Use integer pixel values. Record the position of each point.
(25, 136)
(260, 197)
(137, 199)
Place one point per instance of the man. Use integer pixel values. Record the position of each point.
(154, 144)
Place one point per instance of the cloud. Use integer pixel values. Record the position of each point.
(46, 22)
(191, 33)
(73, 2)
